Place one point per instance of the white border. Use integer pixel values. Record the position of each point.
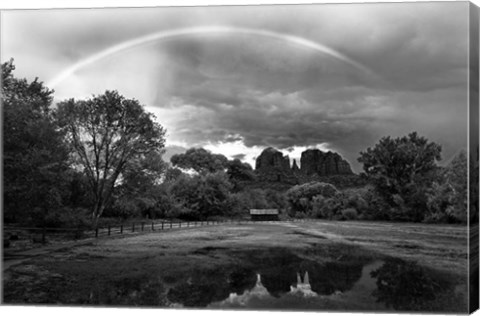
(46, 4)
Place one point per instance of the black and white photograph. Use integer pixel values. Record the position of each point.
(303, 157)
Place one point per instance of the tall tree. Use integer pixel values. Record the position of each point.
(203, 195)
(394, 163)
(239, 172)
(400, 168)
(35, 156)
(109, 135)
(200, 160)
(448, 197)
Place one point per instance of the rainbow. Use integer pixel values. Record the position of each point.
(163, 35)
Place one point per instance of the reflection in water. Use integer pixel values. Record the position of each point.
(303, 287)
(308, 285)
(203, 287)
(408, 286)
(301, 296)
(258, 291)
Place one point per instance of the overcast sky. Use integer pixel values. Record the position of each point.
(236, 80)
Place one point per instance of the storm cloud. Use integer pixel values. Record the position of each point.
(237, 93)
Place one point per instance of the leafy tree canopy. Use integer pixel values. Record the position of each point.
(35, 157)
(200, 160)
(447, 198)
(239, 172)
(204, 195)
(111, 136)
(300, 196)
(394, 163)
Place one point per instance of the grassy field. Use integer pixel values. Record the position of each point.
(198, 266)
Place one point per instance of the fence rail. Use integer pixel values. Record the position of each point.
(40, 234)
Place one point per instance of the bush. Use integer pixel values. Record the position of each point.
(376, 206)
(349, 214)
(354, 198)
(326, 208)
(275, 199)
(65, 217)
(238, 205)
(242, 202)
(444, 204)
(123, 208)
(300, 197)
(201, 196)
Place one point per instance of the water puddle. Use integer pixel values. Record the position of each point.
(291, 282)
(351, 292)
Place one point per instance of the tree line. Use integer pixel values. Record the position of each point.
(79, 161)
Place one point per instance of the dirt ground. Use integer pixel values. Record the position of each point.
(142, 269)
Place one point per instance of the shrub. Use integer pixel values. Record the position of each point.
(178, 210)
(376, 206)
(349, 214)
(326, 208)
(318, 204)
(357, 202)
(64, 217)
(238, 204)
(444, 204)
(243, 201)
(300, 197)
(201, 196)
(123, 208)
(275, 199)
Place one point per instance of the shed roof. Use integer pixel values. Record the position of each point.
(265, 211)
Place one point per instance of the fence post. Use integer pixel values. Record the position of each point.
(133, 227)
(162, 225)
(108, 230)
(96, 232)
(179, 224)
(121, 229)
(188, 224)
(171, 225)
(153, 227)
(143, 224)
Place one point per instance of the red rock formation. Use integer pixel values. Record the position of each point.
(273, 166)
(315, 161)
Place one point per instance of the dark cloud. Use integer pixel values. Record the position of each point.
(230, 88)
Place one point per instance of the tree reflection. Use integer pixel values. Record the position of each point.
(407, 286)
(203, 287)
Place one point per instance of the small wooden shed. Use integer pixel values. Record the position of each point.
(264, 214)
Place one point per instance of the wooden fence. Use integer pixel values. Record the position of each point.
(41, 235)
